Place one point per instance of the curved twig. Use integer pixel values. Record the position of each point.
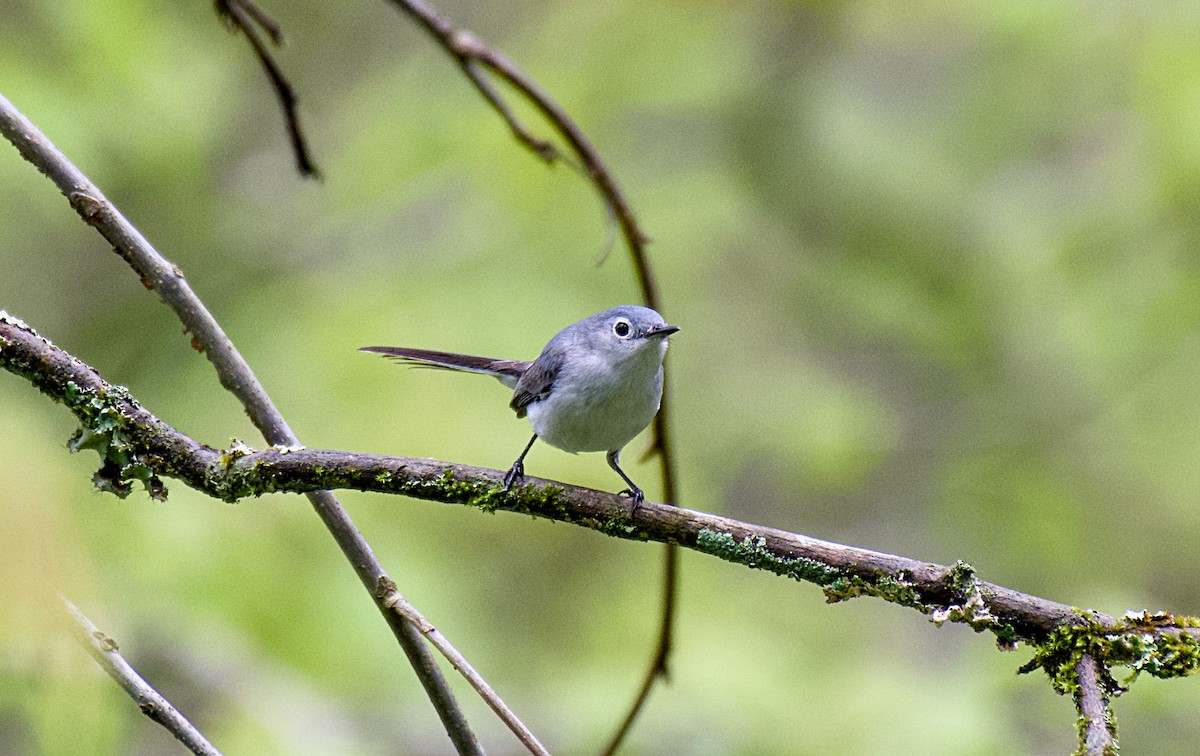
(471, 54)
(152, 703)
(235, 375)
(246, 17)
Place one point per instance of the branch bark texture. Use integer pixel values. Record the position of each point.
(1097, 726)
(152, 703)
(129, 435)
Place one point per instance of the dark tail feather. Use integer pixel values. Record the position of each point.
(505, 370)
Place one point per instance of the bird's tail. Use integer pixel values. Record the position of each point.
(506, 371)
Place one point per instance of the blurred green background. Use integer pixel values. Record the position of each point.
(936, 267)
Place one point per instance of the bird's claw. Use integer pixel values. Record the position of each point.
(637, 497)
(515, 474)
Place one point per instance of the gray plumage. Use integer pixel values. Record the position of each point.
(596, 384)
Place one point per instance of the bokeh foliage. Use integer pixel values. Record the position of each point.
(936, 266)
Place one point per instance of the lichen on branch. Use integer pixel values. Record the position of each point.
(135, 445)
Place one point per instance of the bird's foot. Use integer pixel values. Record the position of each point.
(515, 474)
(636, 496)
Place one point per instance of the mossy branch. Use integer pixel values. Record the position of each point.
(1094, 687)
(135, 445)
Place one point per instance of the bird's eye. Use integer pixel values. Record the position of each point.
(622, 329)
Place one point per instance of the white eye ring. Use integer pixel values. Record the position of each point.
(622, 328)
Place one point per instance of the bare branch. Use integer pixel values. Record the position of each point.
(470, 52)
(1098, 731)
(658, 669)
(166, 280)
(246, 17)
(152, 703)
(435, 637)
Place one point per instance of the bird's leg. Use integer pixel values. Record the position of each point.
(517, 471)
(633, 492)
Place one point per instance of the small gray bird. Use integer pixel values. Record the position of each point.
(596, 385)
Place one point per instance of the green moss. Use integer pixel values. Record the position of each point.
(1110, 723)
(1006, 636)
(1142, 641)
(971, 608)
(963, 580)
(841, 585)
(752, 552)
(230, 482)
(621, 527)
(885, 587)
(490, 498)
(450, 486)
(1138, 641)
(485, 496)
(544, 500)
(103, 427)
(103, 430)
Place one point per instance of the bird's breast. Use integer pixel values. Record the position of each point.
(598, 405)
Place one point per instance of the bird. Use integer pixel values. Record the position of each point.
(594, 387)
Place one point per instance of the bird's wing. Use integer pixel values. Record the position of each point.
(536, 382)
(507, 371)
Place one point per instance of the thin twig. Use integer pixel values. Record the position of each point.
(152, 703)
(246, 17)
(471, 53)
(1098, 731)
(543, 148)
(166, 280)
(459, 662)
(945, 593)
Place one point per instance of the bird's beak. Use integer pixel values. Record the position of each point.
(662, 330)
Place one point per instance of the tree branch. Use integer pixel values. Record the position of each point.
(166, 280)
(1098, 730)
(1074, 647)
(435, 637)
(128, 435)
(152, 703)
